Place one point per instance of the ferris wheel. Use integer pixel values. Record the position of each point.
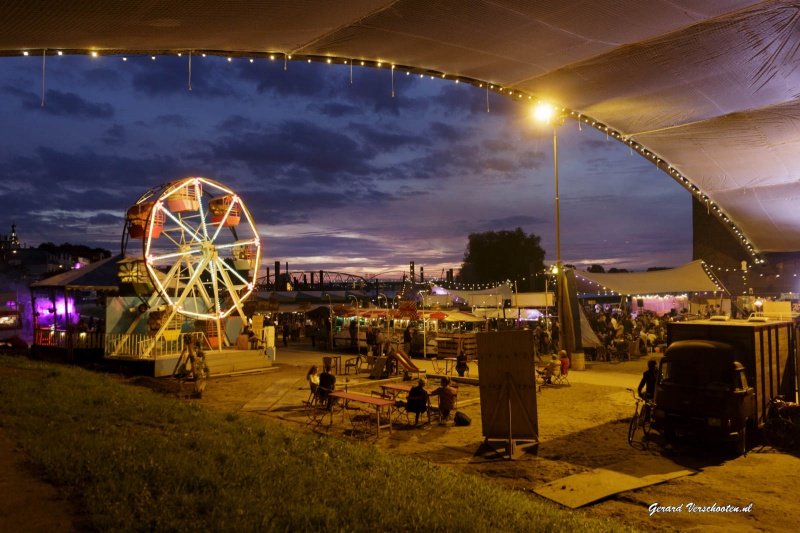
(200, 249)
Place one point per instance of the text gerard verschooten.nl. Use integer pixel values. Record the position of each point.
(692, 507)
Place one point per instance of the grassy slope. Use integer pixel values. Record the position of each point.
(138, 461)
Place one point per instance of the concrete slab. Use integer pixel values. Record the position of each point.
(588, 487)
(270, 396)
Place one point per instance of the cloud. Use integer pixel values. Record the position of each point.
(101, 77)
(62, 104)
(115, 135)
(172, 119)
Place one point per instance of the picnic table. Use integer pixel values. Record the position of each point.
(378, 403)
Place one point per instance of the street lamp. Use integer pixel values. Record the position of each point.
(330, 321)
(554, 117)
(358, 328)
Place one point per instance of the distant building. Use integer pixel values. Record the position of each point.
(23, 263)
(9, 251)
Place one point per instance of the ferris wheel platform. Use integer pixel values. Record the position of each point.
(221, 362)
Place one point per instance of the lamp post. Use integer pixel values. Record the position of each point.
(358, 328)
(330, 320)
(554, 117)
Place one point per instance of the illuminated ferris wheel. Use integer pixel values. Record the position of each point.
(200, 248)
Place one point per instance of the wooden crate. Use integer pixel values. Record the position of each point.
(455, 342)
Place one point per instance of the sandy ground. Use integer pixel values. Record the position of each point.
(582, 427)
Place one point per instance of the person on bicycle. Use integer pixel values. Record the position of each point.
(648, 382)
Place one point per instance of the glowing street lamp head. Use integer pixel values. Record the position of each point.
(544, 112)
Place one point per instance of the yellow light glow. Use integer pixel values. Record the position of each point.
(60, 53)
(543, 112)
(94, 54)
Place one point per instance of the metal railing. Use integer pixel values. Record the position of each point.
(134, 346)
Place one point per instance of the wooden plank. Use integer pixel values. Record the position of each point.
(582, 489)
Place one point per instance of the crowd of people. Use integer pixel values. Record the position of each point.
(617, 329)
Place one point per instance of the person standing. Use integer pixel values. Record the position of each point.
(461, 364)
(354, 334)
(407, 340)
(555, 338)
(379, 340)
(287, 330)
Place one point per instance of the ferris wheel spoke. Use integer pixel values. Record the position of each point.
(193, 232)
(192, 281)
(237, 301)
(200, 288)
(181, 254)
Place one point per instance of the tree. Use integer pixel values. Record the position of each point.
(494, 256)
(596, 269)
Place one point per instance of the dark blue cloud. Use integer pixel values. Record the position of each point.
(115, 135)
(62, 104)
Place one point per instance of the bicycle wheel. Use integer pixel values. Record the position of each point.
(647, 425)
(634, 425)
(775, 433)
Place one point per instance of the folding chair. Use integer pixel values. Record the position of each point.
(370, 362)
(353, 362)
(559, 377)
(403, 414)
(438, 368)
(364, 423)
(316, 411)
(312, 396)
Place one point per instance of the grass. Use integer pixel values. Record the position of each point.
(136, 461)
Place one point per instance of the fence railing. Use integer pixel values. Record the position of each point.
(63, 339)
(136, 345)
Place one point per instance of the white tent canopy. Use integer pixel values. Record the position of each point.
(704, 89)
(691, 277)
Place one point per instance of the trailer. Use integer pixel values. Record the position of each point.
(717, 377)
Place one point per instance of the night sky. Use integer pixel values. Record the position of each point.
(338, 176)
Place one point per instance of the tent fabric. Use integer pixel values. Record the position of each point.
(704, 89)
(691, 277)
(100, 275)
(491, 297)
(589, 338)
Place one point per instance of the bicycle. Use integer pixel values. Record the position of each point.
(780, 430)
(642, 416)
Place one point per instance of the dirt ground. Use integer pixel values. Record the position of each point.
(582, 427)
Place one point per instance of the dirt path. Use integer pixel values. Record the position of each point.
(28, 504)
